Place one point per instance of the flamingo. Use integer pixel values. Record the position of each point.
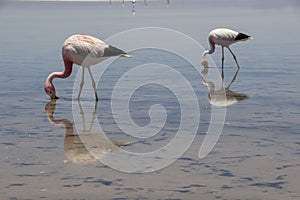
(83, 50)
(224, 37)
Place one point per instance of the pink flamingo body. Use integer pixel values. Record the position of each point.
(83, 50)
(224, 37)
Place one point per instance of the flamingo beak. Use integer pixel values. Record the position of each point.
(54, 97)
(126, 56)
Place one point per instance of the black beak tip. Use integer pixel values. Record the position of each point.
(56, 97)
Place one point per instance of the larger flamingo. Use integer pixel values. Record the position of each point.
(83, 50)
(224, 37)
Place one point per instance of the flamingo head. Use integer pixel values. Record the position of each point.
(50, 91)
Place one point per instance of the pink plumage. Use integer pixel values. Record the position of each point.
(223, 37)
(83, 50)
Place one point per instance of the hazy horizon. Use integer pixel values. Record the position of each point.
(267, 4)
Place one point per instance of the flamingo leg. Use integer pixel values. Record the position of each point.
(234, 57)
(82, 83)
(94, 115)
(93, 83)
(222, 58)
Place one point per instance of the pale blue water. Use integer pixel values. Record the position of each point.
(256, 157)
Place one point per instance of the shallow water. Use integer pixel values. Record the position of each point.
(42, 156)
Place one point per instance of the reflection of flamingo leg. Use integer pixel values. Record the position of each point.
(83, 117)
(222, 73)
(94, 115)
(233, 79)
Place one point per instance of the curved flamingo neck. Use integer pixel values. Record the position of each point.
(66, 73)
(65, 122)
(49, 110)
(211, 87)
(212, 47)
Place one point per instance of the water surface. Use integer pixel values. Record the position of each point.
(256, 157)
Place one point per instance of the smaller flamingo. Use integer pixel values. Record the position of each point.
(83, 50)
(224, 37)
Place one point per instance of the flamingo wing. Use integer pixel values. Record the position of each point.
(79, 48)
(223, 36)
(88, 50)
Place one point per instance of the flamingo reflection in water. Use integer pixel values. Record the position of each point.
(75, 150)
(222, 96)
